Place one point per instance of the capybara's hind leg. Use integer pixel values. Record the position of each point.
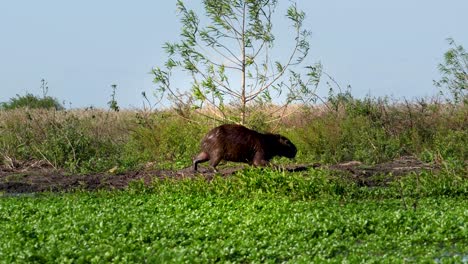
(214, 161)
(259, 160)
(202, 157)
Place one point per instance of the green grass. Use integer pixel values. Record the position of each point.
(314, 184)
(256, 215)
(125, 227)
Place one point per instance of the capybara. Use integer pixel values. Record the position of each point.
(240, 144)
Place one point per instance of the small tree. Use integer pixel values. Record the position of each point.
(32, 101)
(454, 72)
(236, 42)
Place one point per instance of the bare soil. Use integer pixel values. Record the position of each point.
(39, 177)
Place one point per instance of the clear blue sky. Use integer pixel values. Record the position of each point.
(82, 47)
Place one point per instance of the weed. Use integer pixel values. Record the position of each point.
(370, 130)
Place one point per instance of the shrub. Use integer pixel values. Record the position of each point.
(31, 101)
(375, 130)
(166, 139)
(79, 141)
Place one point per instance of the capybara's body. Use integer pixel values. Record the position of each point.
(240, 144)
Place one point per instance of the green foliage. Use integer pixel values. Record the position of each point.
(262, 183)
(62, 139)
(166, 140)
(454, 72)
(174, 228)
(68, 145)
(31, 101)
(374, 130)
(351, 138)
(315, 184)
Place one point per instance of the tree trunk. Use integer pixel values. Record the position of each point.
(243, 97)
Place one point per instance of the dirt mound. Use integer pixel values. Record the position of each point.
(31, 179)
(382, 174)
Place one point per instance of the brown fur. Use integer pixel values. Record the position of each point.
(240, 144)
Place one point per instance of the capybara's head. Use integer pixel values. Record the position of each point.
(284, 147)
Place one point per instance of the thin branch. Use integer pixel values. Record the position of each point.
(279, 74)
(258, 51)
(334, 81)
(44, 157)
(227, 89)
(220, 53)
(221, 65)
(228, 50)
(231, 24)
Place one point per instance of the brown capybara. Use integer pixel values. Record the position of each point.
(240, 144)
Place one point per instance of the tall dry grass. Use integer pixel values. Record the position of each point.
(63, 139)
(370, 130)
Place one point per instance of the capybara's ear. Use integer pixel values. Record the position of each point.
(283, 140)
